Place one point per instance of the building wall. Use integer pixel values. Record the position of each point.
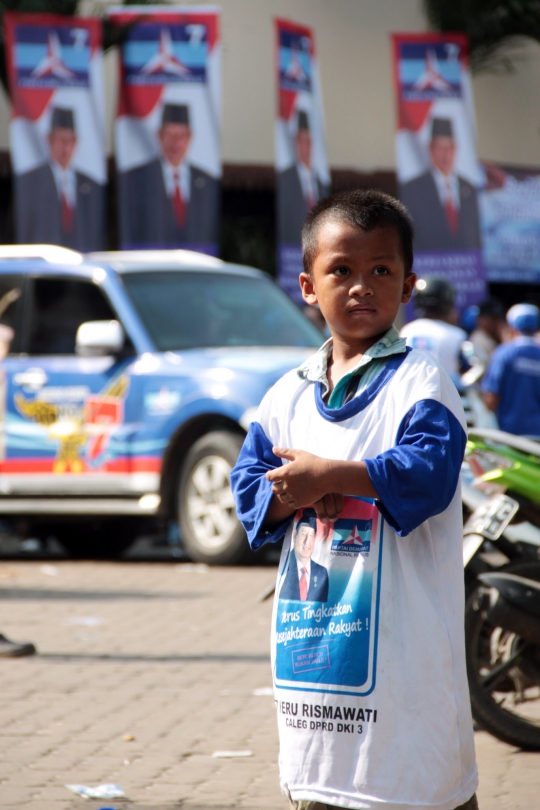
(353, 40)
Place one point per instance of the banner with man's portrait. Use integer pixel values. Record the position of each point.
(168, 131)
(302, 175)
(439, 175)
(57, 129)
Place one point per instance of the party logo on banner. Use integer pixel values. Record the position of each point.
(161, 54)
(51, 57)
(428, 71)
(438, 171)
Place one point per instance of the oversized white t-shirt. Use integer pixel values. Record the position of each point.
(441, 339)
(368, 664)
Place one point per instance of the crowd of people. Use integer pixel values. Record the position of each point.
(508, 346)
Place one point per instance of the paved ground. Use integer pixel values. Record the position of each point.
(170, 654)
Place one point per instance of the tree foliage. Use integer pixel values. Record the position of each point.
(496, 28)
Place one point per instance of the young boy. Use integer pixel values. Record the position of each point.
(371, 689)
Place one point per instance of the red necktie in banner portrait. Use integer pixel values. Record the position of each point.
(67, 215)
(167, 128)
(303, 585)
(57, 129)
(302, 175)
(439, 175)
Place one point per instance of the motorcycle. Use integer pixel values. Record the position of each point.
(501, 551)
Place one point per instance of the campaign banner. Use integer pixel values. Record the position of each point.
(327, 601)
(57, 130)
(438, 172)
(302, 175)
(168, 129)
(510, 219)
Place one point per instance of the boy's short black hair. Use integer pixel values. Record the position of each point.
(365, 209)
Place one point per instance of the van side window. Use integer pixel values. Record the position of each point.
(58, 309)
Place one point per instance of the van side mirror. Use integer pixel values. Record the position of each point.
(99, 338)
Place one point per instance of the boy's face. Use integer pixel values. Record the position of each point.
(358, 279)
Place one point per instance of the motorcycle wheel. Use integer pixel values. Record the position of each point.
(503, 672)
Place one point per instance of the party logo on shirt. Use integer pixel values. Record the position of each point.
(352, 536)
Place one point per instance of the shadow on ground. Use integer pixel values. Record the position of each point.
(50, 594)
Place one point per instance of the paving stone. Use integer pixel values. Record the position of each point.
(174, 662)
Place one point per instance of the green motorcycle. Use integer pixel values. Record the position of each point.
(501, 552)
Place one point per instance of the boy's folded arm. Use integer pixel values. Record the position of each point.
(417, 478)
(253, 493)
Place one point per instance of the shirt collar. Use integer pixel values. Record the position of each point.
(169, 172)
(314, 369)
(445, 183)
(59, 172)
(301, 565)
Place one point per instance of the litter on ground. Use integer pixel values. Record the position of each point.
(231, 754)
(98, 792)
(50, 570)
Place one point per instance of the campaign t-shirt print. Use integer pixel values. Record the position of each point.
(328, 600)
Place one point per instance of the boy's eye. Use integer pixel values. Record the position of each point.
(342, 271)
(380, 271)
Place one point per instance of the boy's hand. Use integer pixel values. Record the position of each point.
(329, 507)
(304, 482)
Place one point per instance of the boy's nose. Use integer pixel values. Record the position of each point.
(361, 287)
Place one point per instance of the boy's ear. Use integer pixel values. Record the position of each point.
(308, 290)
(408, 287)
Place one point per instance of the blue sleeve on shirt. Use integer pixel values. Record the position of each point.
(417, 478)
(252, 492)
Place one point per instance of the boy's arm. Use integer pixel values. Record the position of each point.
(413, 481)
(253, 493)
(307, 479)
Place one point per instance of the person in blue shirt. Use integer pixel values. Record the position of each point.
(511, 386)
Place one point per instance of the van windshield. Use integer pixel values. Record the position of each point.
(188, 310)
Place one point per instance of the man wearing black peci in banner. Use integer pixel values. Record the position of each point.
(299, 187)
(443, 205)
(55, 203)
(168, 202)
(306, 580)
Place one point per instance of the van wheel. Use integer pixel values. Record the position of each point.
(210, 530)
